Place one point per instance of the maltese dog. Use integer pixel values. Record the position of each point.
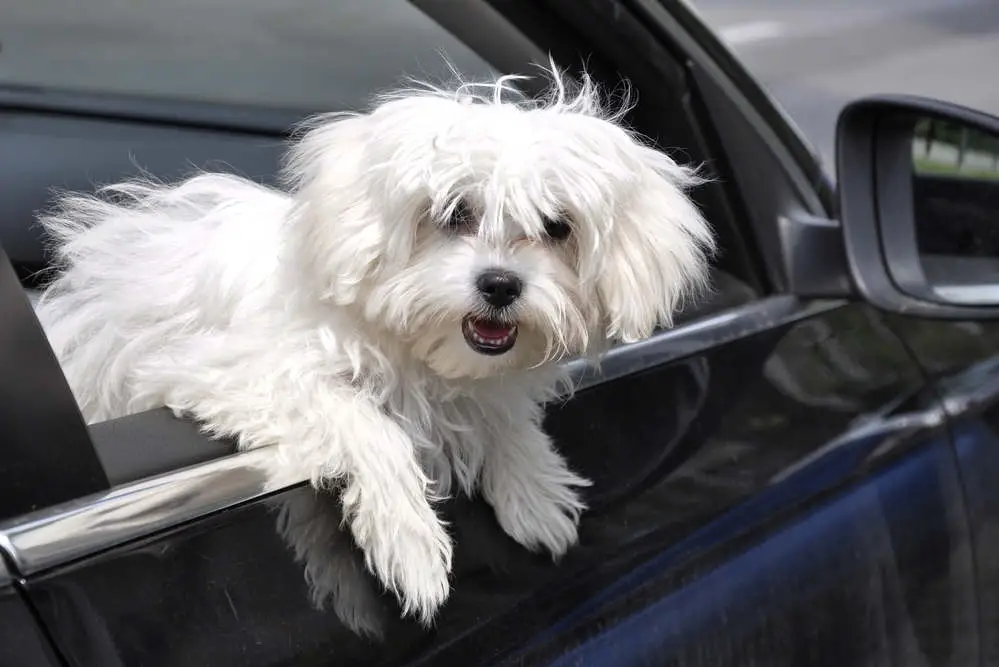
(392, 319)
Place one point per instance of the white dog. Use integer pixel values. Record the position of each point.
(393, 321)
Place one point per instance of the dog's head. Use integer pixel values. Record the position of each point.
(487, 234)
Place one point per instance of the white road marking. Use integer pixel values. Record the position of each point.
(755, 31)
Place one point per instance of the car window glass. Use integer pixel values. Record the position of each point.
(297, 54)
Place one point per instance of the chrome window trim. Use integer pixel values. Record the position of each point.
(65, 533)
(697, 336)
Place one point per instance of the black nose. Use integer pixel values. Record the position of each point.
(499, 288)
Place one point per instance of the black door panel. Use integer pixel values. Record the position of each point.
(771, 429)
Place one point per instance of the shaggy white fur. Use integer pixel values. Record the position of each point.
(392, 320)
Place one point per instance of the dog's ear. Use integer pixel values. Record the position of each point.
(343, 206)
(657, 252)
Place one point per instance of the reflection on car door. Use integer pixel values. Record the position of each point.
(819, 520)
(963, 359)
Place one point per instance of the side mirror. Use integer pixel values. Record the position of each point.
(919, 206)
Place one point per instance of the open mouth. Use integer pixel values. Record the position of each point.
(487, 336)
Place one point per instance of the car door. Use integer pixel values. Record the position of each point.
(772, 475)
(956, 216)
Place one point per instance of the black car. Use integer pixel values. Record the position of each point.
(801, 472)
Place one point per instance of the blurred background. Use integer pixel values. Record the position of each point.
(816, 55)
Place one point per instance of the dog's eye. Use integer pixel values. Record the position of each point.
(557, 229)
(462, 217)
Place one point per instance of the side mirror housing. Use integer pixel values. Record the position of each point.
(919, 206)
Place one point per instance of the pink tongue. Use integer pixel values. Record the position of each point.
(489, 330)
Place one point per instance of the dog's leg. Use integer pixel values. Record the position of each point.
(386, 506)
(341, 440)
(531, 488)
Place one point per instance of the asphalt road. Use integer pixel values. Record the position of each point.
(816, 55)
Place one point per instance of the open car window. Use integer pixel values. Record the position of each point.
(365, 47)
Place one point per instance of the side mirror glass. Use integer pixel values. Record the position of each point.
(955, 190)
(919, 206)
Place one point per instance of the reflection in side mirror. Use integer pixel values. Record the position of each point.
(955, 190)
(919, 206)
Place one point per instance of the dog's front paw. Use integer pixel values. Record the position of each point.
(421, 578)
(411, 558)
(541, 512)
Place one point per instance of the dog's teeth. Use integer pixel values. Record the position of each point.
(494, 342)
(490, 341)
